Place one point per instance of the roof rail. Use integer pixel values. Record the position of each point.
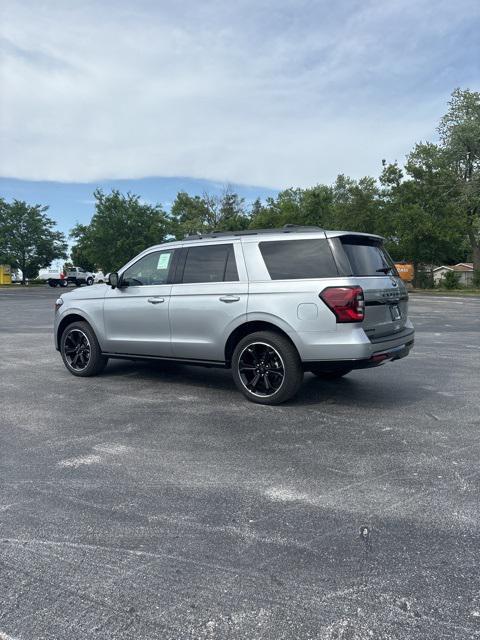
(287, 228)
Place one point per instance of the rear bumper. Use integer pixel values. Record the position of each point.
(354, 346)
(375, 360)
(378, 358)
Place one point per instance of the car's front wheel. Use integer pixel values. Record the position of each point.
(266, 368)
(89, 282)
(80, 350)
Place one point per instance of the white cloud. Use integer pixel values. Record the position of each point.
(275, 93)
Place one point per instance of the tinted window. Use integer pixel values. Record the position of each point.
(297, 259)
(151, 269)
(214, 263)
(367, 257)
(231, 273)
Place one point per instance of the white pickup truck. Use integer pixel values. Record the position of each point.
(78, 276)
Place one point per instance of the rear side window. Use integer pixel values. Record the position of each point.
(215, 263)
(298, 259)
(367, 257)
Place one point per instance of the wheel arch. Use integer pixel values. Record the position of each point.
(251, 326)
(70, 318)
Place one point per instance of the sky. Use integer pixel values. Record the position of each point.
(156, 95)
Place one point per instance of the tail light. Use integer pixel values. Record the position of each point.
(347, 303)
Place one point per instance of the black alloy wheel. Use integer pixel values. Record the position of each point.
(81, 351)
(77, 349)
(266, 367)
(261, 369)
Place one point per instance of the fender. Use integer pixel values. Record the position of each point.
(278, 322)
(79, 313)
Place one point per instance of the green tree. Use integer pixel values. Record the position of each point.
(80, 253)
(356, 204)
(311, 206)
(266, 216)
(232, 215)
(121, 227)
(203, 214)
(459, 132)
(450, 280)
(317, 206)
(28, 239)
(419, 210)
(189, 215)
(286, 208)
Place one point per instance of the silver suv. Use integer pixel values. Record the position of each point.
(269, 304)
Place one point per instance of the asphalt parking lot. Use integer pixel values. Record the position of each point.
(154, 501)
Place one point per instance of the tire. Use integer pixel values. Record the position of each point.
(89, 282)
(334, 374)
(52, 283)
(259, 361)
(80, 350)
(63, 283)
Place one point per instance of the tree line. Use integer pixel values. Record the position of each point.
(428, 210)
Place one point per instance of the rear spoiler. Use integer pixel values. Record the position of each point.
(355, 234)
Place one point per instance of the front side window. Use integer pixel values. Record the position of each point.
(150, 270)
(214, 263)
(298, 259)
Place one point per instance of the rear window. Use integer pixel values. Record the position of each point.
(367, 257)
(298, 259)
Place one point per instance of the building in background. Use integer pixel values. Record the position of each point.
(464, 270)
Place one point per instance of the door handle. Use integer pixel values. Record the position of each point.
(156, 300)
(229, 298)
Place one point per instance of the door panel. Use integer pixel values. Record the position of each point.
(203, 315)
(205, 308)
(136, 320)
(136, 313)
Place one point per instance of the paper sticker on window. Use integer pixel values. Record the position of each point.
(163, 261)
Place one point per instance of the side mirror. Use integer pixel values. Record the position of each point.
(113, 280)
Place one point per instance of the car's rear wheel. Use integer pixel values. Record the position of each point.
(52, 283)
(330, 374)
(266, 368)
(80, 350)
(89, 282)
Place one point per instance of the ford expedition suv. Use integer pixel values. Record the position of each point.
(268, 304)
